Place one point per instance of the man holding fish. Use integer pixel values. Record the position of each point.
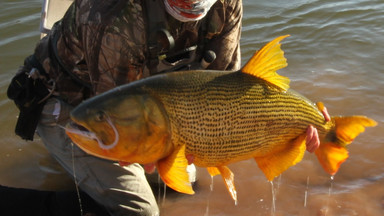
(99, 45)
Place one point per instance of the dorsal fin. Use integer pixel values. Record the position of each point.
(266, 62)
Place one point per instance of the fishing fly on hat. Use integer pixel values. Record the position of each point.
(188, 10)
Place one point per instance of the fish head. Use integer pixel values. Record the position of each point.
(130, 128)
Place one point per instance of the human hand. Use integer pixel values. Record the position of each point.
(312, 140)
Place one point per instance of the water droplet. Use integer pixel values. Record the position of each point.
(159, 189)
(209, 195)
(165, 193)
(306, 193)
(273, 208)
(330, 190)
(211, 185)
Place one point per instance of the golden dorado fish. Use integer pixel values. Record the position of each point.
(217, 117)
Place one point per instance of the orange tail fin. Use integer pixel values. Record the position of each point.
(332, 154)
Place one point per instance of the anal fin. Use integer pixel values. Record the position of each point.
(276, 163)
(213, 171)
(228, 178)
(173, 171)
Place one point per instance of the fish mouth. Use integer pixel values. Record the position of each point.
(84, 132)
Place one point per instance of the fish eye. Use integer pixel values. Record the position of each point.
(100, 116)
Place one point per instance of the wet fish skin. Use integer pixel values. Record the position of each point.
(218, 117)
(224, 117)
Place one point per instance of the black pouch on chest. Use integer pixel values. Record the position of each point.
(29, 93)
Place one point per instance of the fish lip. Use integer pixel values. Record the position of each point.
(75, 128)
(78, 129)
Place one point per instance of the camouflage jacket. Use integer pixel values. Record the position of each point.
(100, 44)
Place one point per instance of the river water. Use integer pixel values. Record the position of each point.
(335, 55)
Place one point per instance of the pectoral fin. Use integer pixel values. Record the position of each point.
(276, 163)
(228, 178)
(173, 171)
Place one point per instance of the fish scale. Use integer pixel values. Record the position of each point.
(211, 115)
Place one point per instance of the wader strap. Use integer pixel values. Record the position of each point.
(158, 37)
(162, 56)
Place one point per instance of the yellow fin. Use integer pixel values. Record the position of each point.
(332, 154)
(266, 62)
(228, 178)
(173, 171)
(276, 163)
(320, 106)
(348, 128)
(324, 111)
(213, 171)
